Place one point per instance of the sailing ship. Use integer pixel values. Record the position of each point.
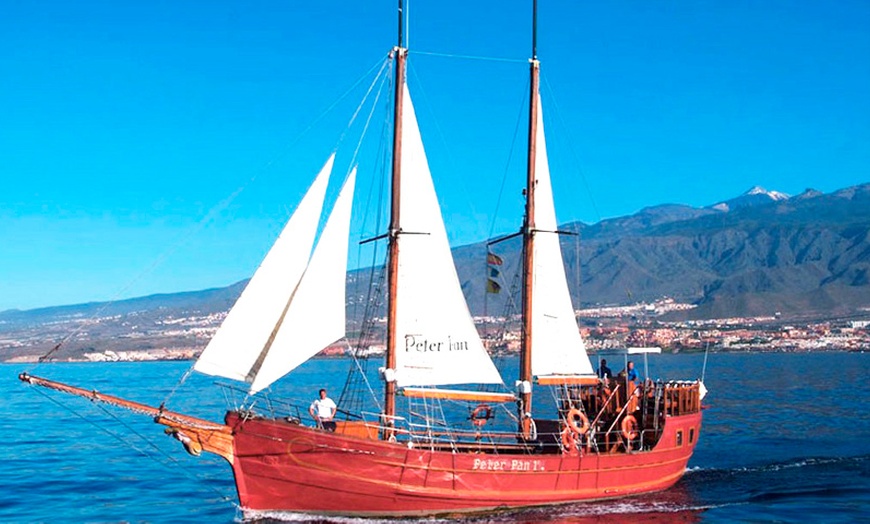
(605, 438)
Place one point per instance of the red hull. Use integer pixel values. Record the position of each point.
(285, 467)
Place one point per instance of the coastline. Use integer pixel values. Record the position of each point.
(190, 354)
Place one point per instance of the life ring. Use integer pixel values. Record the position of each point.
(533, 429)
(629, 427)
(481, 415)
(569, 441)
(572, 417)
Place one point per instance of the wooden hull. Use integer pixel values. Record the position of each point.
(286, 467)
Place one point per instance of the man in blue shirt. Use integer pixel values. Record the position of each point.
(631, 373)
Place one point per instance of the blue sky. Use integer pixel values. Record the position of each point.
(155, 146)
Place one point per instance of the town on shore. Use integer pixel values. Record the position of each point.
(125, 338)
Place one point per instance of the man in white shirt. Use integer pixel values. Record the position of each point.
(323, 411)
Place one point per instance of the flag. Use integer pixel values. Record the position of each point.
(493, 272)
(493, 259)
(492, 286)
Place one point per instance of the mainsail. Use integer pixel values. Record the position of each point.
(558, 347)
(437, 341)
(251, 323)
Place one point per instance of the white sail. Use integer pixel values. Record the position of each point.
(315, 316)
(246, 331)
(437, 343)
(557, 346)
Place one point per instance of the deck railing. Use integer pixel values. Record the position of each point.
(606, 406)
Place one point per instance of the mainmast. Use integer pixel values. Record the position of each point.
(525, 389)
(400, 54)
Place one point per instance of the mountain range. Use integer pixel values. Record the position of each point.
(761, 253)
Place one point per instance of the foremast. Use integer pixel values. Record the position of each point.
(400, 54)
(525, 378)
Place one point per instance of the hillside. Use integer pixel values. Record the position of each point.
(761, 253)
(806, 255)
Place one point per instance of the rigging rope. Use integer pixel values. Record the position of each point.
(196, 228)
(174, 462)
(380, 75)
(507, 164)
(349, 394)
(360, 106)
(383, 63)
(577, 268)
(471, 57)
(509, 299)
(571, 146)
(469, 202)
(704, 368)
(371, 113)
(182, 240)
(177, 385)
(331, 107)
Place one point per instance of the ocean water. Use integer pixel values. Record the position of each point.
(786, 438)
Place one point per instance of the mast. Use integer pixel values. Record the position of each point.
(400, 54)
(525, 392)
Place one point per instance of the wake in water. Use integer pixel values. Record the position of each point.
(779, 466)
(669, 506)
(625, 511)
(787, 489)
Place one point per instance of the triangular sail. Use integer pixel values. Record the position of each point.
(437, 343)
(558, 347)
(315, 317)
(246, 331)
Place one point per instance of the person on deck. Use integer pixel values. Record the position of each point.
(630, 372)
(604, 371)
(323, 410)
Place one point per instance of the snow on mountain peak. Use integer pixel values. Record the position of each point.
(773, 195)
(755, 196)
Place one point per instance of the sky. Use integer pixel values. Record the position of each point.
(159, 146)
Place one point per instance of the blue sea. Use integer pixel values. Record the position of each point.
(786, 438)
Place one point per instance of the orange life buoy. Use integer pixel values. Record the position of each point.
(480, 415)
(569, 442)
(629, 427)
(572, 417)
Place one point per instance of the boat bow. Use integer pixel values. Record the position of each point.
(196, 434)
